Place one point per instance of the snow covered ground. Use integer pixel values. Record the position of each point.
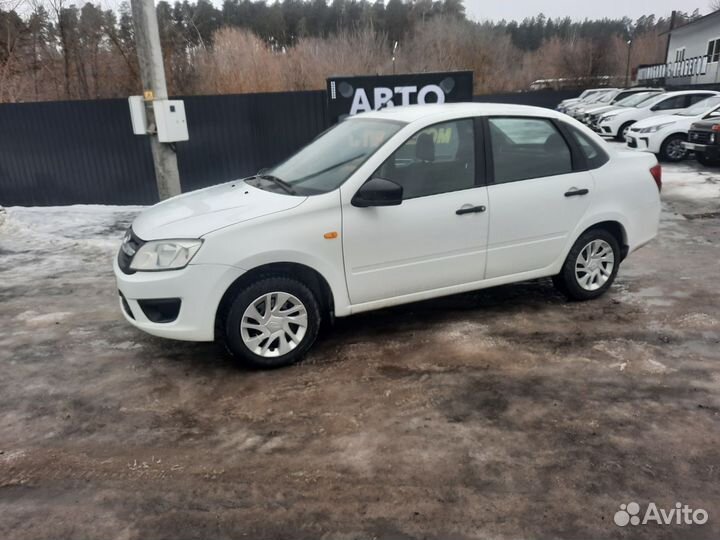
(440, 419)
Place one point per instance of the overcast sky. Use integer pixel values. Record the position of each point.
(578, 9)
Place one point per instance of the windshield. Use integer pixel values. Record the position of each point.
(701, 107)
(636, 99)
(595, 98)
(329, 160)
(651, 101)
(587, 94)
(607, 98)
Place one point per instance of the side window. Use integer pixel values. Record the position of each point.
(438, 159)
(595, 156)
(694, 98)
(677, 102)
(525, 148)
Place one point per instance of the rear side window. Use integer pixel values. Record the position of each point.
(694, 98)
(595, 156)
(525, 148)
(677, 102)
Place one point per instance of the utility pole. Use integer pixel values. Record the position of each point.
(627, 69)
(152, 72)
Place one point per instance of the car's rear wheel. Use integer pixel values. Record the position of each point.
(272, 322)
(672, 148)
(591, 266)
(623, 131)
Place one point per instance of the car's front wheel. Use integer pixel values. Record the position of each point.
(623, 131)
(672, 148)
(590, 267)
(272, 322)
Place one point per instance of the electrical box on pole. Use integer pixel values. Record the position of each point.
(170, 120)
(137, 115)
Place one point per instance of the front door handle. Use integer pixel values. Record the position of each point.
(469, 210)
(575, 192)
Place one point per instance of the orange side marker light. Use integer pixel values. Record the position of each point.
(330, 235)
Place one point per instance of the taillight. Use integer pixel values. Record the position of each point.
(656, 172)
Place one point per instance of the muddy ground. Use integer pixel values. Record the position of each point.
(507, 413)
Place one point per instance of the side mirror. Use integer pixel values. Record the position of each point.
(378, 192)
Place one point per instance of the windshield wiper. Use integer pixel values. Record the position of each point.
(287, 188)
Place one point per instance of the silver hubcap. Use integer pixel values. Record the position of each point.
(274, 324)
(675, 149)
(594, 265)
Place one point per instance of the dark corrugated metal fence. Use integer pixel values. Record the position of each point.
(76, 152)
(73, 152)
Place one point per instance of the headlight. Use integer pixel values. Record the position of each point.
(165, 254)
(607, 117)
(653, 129)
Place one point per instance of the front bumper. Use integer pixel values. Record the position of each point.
(605, 129)
(703, 148)
(199, 287)
(639, 141)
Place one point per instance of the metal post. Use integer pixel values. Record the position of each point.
(393, 56)
(152, 72)
(627, 69)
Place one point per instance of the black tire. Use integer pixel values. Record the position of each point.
(233, 339)
(620, 137)
(707, 160)
(567, 281)
(671, 140)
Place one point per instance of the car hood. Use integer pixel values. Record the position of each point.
(657, 120)
(615, 113)
(601, 109)
(198, 213)
(705, 125)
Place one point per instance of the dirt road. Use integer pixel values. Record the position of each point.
(506, 413)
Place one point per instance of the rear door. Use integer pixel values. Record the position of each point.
(537, 193)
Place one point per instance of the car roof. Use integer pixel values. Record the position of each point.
(683, 92)
(412, 113)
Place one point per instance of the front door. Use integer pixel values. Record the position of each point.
(437, 237)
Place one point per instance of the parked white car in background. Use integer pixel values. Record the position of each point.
(592, 114)
(611, 99)
(602, 97)
(386, 208)
(663, 135)
(617, 123)
(584, 97)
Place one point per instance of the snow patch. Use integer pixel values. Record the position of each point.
(35, 318)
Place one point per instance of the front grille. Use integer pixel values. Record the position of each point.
(700, 137)
(132, 243)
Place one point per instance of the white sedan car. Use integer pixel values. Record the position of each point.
(386, 208)
(617, 123)
(664, 135)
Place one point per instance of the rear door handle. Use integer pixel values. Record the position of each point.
(574, 192)
(469, 210)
